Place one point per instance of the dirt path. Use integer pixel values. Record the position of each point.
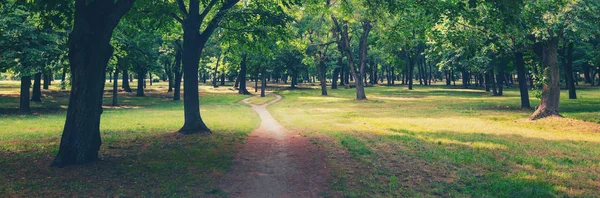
(275, 162)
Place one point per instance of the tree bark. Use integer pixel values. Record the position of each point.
(523, 88)
(36, 95)
(177, 72)
(323, 76)
(89, 53)
(569, 72)
(242, 76)
(550, 90)
(63, 83)
(141, 81)
(125, 85)
(115, 88)
(264, 83)
(24, 94)
(47, 80)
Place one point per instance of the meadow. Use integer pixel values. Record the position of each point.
(431, 141)
(449, 142)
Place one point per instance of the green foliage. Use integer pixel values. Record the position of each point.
(26, 47)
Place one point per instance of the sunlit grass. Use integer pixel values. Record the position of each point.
(143, 155)
(262, 100)
(450, 142)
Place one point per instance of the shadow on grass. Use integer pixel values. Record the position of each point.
(166, 165)
(448, 163)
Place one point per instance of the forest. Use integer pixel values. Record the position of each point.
(300, 98)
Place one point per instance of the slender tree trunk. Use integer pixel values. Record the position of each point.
(63, 82)
(150, 78)
(24, 95)
(264, 83)
(411, 70)
(141, 81)
(256, 83)
(242, 77)
(550, 90)
(47, 80)
(223, 79)
(500, 79)
(569, 72)
(36, 95)
(523, 88)
(447, 72)
(334, 80)
(89, 52)
(126, 79)
(116, 88)
(323, 76)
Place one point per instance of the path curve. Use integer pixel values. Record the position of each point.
(275, 162)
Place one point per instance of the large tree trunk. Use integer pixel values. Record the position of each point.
(115, 88)
(141, 82)
(126, 86)
(36, 95)
(550, 90)
(569, 72)
(523, 88)
(242, 77)
(191, 57)
(89, 52)
(24, 95)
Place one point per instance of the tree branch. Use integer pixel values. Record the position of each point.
(120, 8)
(181, 6)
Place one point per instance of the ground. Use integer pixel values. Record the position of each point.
(432, 141)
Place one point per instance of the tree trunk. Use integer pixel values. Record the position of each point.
(24, 95)
(500, 79)
(126, 86)
(569, 72)
(411, 70)
(115, 88)
(360, 90)
(63, 82)
(36, 95)
(487, 81)
(177, 72)
(89, 53)
(550, 90)
(47, 80)
(242, 77)
(323, 76)
(263, 83)
(223, 79)
(334, 78)
(150, 78)
(523, 88)
(141, 82)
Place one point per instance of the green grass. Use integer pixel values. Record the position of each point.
(262, 100)
(441, 141)
(142, 155)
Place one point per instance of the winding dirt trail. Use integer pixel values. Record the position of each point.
(275, 162)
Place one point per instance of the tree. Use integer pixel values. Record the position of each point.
(26, 48)
(89, 52)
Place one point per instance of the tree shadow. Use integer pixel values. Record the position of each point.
(166, 165)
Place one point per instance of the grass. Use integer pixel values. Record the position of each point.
(262, 100)
(142, 155)
(432, 141)
(441, 141)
